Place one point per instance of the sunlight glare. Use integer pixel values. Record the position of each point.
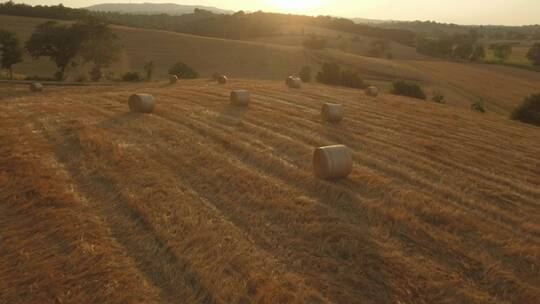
(297, 5)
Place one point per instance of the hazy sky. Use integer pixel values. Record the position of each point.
(509, 12)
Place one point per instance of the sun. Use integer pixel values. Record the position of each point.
(296, 5)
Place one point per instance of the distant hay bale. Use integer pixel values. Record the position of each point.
(332, 112)
(293, 82)
(142, 103)
(36, 87)
(240, 97)
(222, 79)
(332, 162)
(372, 91)
(173, 79)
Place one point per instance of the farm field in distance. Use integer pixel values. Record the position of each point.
(500, 88)
(203, 202)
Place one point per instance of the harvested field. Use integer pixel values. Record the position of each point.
(204, 202)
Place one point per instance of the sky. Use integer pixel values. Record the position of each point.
(505, 12)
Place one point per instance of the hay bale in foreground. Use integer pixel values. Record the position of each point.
(332, 112)
(222, 79)
(141, 103)
(372, 91)
(36, 87)
(173, 79)
(293, 82)
(240, 98)
(332, 162)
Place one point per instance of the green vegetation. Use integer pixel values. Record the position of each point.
(204, 23)
(10, 51)
(100, 46)
(61, 43)
(478, 107)
(183, 71)
(331, 73)
(92, 40)
(132, 77)
(501, 51)
(463, 51)
(534, 54)
(528, 111)
(478, 54)
(408, 89)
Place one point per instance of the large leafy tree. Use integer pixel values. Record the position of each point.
(478, 54)
(100, 45)
(91, 40)
(502, 51)
(10, 51)
(534, 54)
(61, 43)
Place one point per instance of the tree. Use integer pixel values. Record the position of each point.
(463, 51)
(534, 54)
(409, 89)
(330, 73)
(502, 51)
(10, 50)
(478, 54)
(61, 43)
(529, 111)
(100, 45)
(182, 70)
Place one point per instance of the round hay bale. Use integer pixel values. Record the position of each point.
(142, 103)
(372, 91)
(222, 79)
(332, 162)
(173, 79)
(293, 82)
(36, 87)
(332, 112)
(240, 97)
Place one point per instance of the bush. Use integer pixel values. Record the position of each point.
(534, 54)
(132, 76)
(404, 88)
(352, 79)
(438, 97)
(478, 54)
(332, 74)
(478, 107)
(528, 111)
(183, 71)
(305, 74)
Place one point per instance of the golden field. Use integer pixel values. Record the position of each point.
(203, 202)
(501, 88)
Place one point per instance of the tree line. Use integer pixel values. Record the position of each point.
(466, 47)
(90, 40)
(205, 23)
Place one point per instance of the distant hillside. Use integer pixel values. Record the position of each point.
(154, 8)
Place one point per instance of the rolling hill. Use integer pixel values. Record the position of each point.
(203, 202)
(501, 88)
(153, 8)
